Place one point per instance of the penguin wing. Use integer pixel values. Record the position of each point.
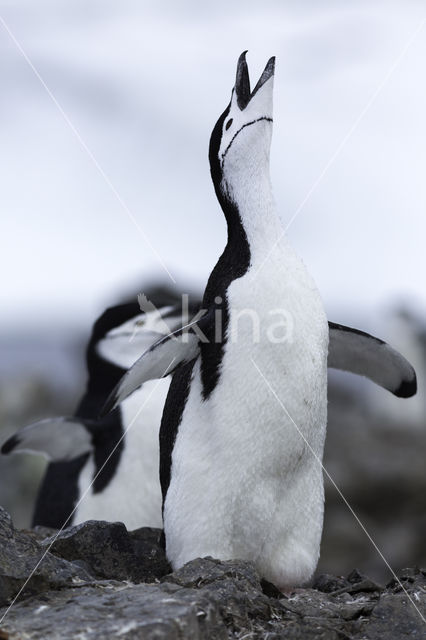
(159, 361)
(57, 439)
(358, 352)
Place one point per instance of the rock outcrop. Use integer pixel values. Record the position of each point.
(97, 580)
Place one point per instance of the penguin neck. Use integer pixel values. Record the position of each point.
(249, 208)
(103, 375)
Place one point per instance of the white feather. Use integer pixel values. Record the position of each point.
(134, 494)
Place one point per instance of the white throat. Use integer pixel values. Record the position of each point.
(246, 181)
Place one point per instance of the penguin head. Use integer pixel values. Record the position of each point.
(128, 325)
(241, 139)
(123, 333)
(105, 373)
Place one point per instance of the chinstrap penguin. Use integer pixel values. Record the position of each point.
(85, 449)
(204, 370)
(79, 446)
(242, 483)
(237, 477)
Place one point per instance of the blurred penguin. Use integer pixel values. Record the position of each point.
(98, 466)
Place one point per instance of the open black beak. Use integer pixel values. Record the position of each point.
(242, 80)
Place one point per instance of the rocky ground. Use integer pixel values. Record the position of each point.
(379, 468)
(97, 580)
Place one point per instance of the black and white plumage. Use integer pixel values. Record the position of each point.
(237, 477)
(121, 488)
(349, 350)
(238, 468)
(78, 447)
(360, 353)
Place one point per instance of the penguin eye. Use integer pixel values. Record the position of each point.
(228, 124)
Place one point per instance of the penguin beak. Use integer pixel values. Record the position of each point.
(242, 80)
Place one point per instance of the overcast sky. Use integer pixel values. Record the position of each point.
(144, 82)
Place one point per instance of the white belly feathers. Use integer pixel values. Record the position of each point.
(243, 480)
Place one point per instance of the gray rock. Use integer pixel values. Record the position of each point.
(204, 599)
(111, 610)
(20, 555)
(110, 551)
(395, 618)
(235, 588)
(327, 583)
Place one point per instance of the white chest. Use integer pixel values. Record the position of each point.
(241, 465)
(276, 341)
(133, 496)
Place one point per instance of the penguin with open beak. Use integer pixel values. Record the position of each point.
(244, 424)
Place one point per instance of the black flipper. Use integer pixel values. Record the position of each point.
(161, 359)
(57, 439)
(359, 352)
